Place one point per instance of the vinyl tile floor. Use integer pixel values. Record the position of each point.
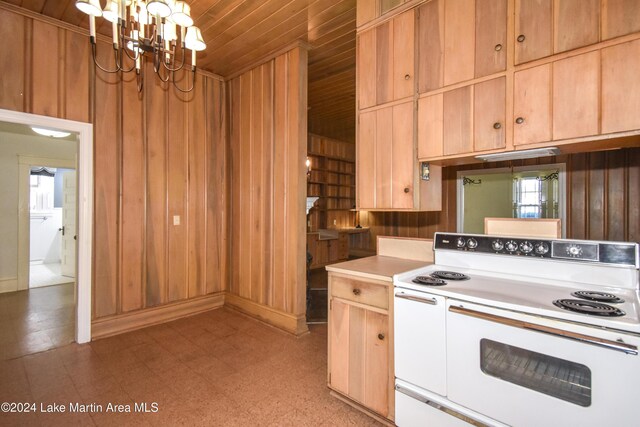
(218, 368)
(36, 320)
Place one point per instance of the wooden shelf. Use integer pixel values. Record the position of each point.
(340, 159)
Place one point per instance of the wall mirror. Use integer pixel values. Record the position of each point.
(520, 192)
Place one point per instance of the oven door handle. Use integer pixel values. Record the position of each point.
(600, 342)
(420, 398)
(423, 300)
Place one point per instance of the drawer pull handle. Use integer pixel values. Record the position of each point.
(520, 38)
(519, 120)
(356, 291)
(380, 337)
(406, 189)
(498, 47)
(497, 125)
(407, 76)
(431, 301)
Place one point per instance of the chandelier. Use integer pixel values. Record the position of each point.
(158, 29)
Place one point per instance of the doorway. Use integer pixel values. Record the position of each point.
(52, 225)
(81, 292)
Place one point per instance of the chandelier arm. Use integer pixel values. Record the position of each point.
(157, 70)
(173, 70)
(95, 61)
(134, 57)
(193, 82)
(139, 81)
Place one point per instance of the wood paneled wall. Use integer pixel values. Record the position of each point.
(158, 154)
(268, 146)
(603, 199)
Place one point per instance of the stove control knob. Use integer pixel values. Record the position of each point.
(541, 248)
(511, 246)
(574, 251)
(460, 242)
(497, 245)
(472, 243)
(526, 247)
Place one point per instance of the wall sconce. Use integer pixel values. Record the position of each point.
(308, 164)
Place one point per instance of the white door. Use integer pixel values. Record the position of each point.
(68, 250)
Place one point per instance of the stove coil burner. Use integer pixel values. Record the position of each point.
(598, 296)
(429, 281)
(588, 307)
(449, 275)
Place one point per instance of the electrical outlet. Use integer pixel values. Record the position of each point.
(176, 220)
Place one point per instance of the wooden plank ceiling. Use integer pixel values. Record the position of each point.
(240, 32)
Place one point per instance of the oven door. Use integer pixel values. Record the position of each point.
(419, 339)
(528, 371)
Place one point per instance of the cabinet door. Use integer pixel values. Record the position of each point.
(359, 357)
(532, 105)
(620, 17)
(458, 121)
(366, 10)
(403, 55)
(403, 156)
(384, 158)
(621, 87)
(489, 114)
(430, 122)
(387, 5)
(384, 63)
(366, 69)
(366, 166)
(491, 37)
(459, 40)
(576, 96)
(533, 30)
(576, 23)
(430, 46)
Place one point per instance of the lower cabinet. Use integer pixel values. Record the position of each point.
(360, 342)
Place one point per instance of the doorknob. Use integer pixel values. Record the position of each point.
(61, 229)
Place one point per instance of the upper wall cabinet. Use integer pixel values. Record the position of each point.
(368, 10)
(459, 40)
(546, 27)
(387, 49)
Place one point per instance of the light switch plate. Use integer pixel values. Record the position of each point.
(176, 220)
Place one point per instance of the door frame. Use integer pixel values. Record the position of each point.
(24, 224)
(84, 249)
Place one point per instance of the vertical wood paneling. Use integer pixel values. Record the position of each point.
(133, 197)
(197, 191)
(279, 182)
(156, 236)
(217, 181)
(12, 82)
(616, 191)
(633, 196)
(76, 77)
(597, 197)
(268, 148)
(257, 184)
(267, 178)
(106, 177)
(177, 169)
(45, 90)
(245, 175)
(577, 200)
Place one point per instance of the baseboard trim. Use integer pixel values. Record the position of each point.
(113, 325)
(8, 285)
(291, 323)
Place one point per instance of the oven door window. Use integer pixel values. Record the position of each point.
(552, 376)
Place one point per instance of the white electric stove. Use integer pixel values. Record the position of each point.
(516, 331)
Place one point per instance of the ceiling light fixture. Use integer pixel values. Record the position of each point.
(147, 29)
(50, 132)
(520, 154)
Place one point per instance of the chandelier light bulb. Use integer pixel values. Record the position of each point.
(90, 7)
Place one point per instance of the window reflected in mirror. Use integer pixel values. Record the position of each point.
(522, 192)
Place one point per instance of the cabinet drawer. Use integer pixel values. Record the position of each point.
(360, 291)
